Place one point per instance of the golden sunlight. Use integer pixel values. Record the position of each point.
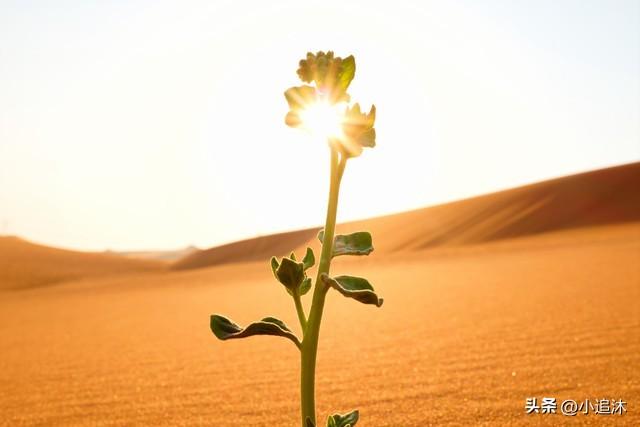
(323, 119)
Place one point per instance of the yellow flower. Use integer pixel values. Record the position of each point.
(331, 74)
(358, 131)
(322, 108)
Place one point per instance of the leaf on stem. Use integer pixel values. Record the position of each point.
(291, 274)
(309, 259)
(357, 288)
(274, 266)
(305, 286)
(225, 329)
(347, 72)
(346, 420)
(358, 243)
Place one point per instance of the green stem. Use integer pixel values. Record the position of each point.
(312, 332)
(300, 310)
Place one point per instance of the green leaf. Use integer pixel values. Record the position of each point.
(293, 256)
(346, 420)
(347, 72)
(225, 329)
(274, 266)
(309, 259)
(357, 288)
(290, 273)
(359, 243)
(305, 286)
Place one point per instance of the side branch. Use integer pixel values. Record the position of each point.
(300, 310)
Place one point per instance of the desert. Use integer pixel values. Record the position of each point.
(528, 292)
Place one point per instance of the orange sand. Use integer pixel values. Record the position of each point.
(28, 265)
(466, 334)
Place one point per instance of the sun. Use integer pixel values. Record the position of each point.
(323, 119)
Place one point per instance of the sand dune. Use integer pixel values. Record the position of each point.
(26, 265)
(606, 196)
(168, 255)
(257, 249)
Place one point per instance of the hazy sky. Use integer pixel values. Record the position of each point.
(153, 124)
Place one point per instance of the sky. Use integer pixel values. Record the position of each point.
(155, 125)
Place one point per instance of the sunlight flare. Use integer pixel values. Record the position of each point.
(323, 119)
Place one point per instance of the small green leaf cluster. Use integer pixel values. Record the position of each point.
(292, 274)
(339, 420)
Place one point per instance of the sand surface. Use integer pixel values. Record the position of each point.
(465, 335)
